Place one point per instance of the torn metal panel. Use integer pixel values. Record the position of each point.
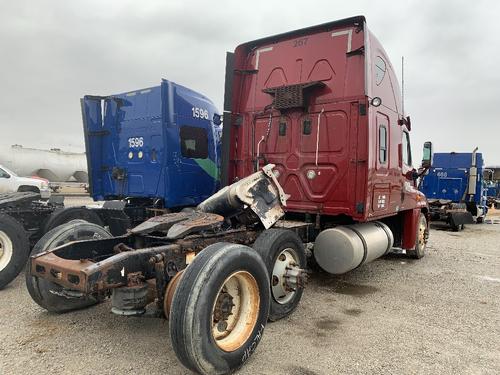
(199, 221)
(260, 191)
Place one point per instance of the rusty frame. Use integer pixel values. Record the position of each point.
(106, 264)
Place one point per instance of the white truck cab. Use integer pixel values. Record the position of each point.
(11, 182)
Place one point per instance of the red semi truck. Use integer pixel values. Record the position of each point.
(316, 151)
(324, 105)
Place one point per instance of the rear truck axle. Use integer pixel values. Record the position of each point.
(198, 269)
(195, 266)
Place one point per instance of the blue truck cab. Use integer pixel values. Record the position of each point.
(491, 176)
(456, 179)
(492, 188)
(160, 144)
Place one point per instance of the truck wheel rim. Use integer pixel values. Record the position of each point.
(235, 311)
(5, 250)
(422, 228)
(282, 291)
(169, 293)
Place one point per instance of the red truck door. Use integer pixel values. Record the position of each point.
(381, 196)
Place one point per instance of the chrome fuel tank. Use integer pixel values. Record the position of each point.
(343, 248)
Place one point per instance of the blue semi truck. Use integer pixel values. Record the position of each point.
(157, 146)
(455, 188)
(149, 152)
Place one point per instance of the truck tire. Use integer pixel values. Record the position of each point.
(48, 294)
(220, 309)
(278, 248)
(418, 251)
(14, 249)
(60, 217)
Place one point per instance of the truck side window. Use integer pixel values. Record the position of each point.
(194, 142)
(380, 69)
(406, 149)
(382, 144)
(4, 174)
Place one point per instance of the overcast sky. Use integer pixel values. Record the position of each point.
(54, 52)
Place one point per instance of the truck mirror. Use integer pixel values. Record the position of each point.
(405, 121)
(217, 120)
(427, 155)
(488, 175)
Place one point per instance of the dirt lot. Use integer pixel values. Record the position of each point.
(439, 315)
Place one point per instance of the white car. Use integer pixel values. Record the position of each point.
(11, 182)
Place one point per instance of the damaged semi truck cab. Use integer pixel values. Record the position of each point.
(316, 152)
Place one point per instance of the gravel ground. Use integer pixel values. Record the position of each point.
(437, 315)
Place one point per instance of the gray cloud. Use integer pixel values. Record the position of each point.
(53, 52)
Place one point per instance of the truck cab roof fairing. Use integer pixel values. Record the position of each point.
(305, 31)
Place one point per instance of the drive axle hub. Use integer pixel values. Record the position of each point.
(287, 276)
(223, 310)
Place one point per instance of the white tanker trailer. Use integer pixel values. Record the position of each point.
(54, 165)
